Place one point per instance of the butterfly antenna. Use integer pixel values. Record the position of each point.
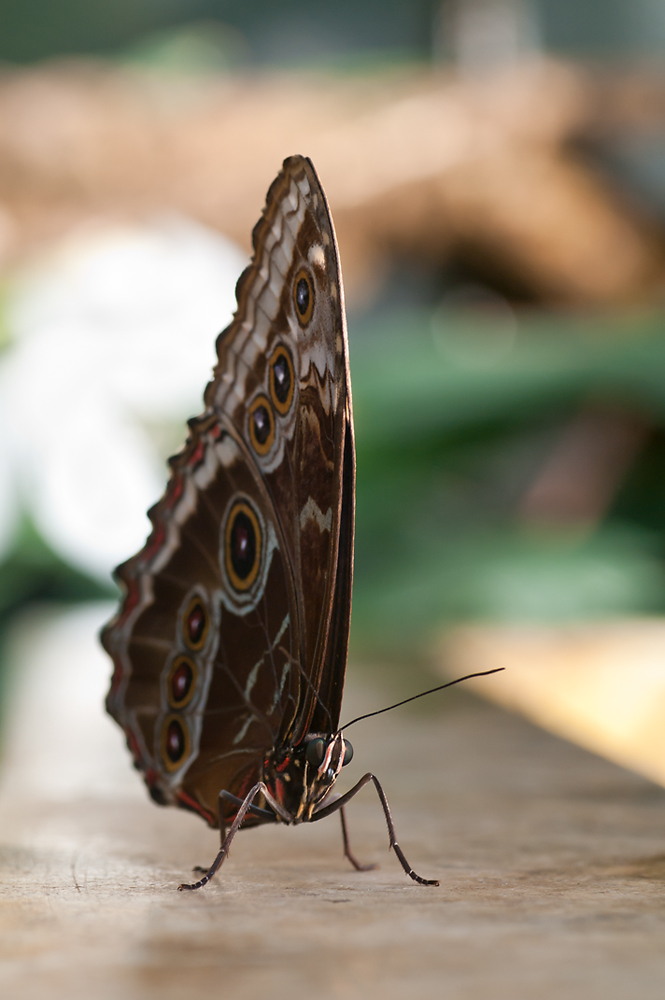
(468, 677)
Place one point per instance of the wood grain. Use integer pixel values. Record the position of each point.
(551, 860)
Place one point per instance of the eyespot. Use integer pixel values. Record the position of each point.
(261, 425)
(316, 751)
(195, 624)
(181, 681)
(282, 379)
(303, 297)
(242, 546)
(175, 742)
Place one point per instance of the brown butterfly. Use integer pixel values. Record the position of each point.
(230, 645)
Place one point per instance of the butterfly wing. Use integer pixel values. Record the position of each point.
(210, 609)
(232, 636)
(290, 332)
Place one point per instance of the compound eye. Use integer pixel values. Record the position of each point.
(348, 753)
(316, 751)
(242, 546)
(303, 297)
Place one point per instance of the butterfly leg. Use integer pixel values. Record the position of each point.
(347, 850)
(222, 829)
(245, 806)
(343, 799)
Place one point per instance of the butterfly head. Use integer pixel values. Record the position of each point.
(307, 773)
(327, 755)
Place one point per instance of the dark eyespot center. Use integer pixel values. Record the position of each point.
(181, 681)
(262, 427)
(302, 296)
(282, 377)
(175, 741)
(196, 623)
(281, 374)
(243, 545)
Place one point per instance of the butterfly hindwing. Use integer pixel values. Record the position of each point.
(204, 660)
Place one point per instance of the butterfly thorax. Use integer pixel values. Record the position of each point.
(301, 777)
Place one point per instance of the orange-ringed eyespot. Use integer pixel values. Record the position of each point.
(282, 379)
(303, 297)
(175, 742)
(261, 425)
(242, 546)
(195, 624)
(181, 681)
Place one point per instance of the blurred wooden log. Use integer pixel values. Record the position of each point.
(630, 100)
(417, 164)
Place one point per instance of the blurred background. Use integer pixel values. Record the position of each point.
(496, 172)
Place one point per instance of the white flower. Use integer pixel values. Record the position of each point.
(112, 337)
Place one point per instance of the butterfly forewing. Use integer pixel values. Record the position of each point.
(291, 300)
(223, 647)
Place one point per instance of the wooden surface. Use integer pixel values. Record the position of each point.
(551, 860)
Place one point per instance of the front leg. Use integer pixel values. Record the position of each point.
(343, 799)
(245, 806)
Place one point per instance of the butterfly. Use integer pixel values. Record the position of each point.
(230, 644)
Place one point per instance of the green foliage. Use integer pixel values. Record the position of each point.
(453, 421)
(32, 571)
